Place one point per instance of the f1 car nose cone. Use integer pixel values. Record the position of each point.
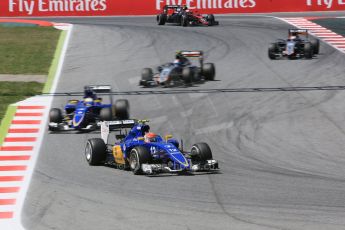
(77, 119)
(181, 159)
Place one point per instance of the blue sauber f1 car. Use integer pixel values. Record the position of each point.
(86, 114)
(144, 152)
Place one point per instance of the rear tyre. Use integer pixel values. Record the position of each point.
(201, 152)
(187, 75)
(95, 151)
(184, 21)
(105, 114)
(139, 155)
(272, 49)
(161, 19)
(55, 115)
(209, 71)
(210, 19)
(122, 109)
(308, 50)
(316, 46)
(147, 74)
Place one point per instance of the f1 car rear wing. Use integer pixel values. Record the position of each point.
(108, 126)
(197, 53)
(177, 8)
(99, 88)
(172, 6)
(193, 54)
(294, 32)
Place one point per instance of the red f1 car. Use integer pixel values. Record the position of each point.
(181, 15)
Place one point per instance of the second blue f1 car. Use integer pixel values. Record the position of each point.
(85, 114)
(144, 152)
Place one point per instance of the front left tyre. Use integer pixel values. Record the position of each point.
(272, 49)
(55, 115)
(95, 151)
(201, 152)
(146, 76)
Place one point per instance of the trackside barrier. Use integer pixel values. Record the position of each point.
(25, 8)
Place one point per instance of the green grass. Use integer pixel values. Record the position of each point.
(27, 50)
(6, 122)
(11, 92)
(337, 25)
(55, 62)
(24, 50)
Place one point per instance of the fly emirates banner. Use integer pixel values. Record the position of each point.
(15, 8)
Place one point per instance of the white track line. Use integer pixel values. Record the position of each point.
(16, 167)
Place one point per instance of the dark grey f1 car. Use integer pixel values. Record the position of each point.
(181, 15)
(295, 46)
(179, 72)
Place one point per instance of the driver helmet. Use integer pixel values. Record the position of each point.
(177, 62)
(150, 137)
(88, 93)
(178, 58)
(178, 55)
(291, 38)
(88, 101)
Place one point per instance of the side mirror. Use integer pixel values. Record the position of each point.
(167, 137)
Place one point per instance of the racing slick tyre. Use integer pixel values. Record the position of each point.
(316, 46)
(139, 155)
(55, 115)
(122, 109)
(308, 50)
(187, 75)
(147, 74)
(161, 19)
(184, 20)
(210, 19)
(95, 151)
(209, 71)
(272, 49)
(106, 114)
(201, 152)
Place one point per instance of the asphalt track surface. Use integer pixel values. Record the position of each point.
(281, 154)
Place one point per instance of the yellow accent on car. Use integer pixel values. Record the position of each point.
(72, 101)
(118, 155)
(167, 137)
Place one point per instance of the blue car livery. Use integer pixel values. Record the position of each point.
(141, 155)
(85, 114)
